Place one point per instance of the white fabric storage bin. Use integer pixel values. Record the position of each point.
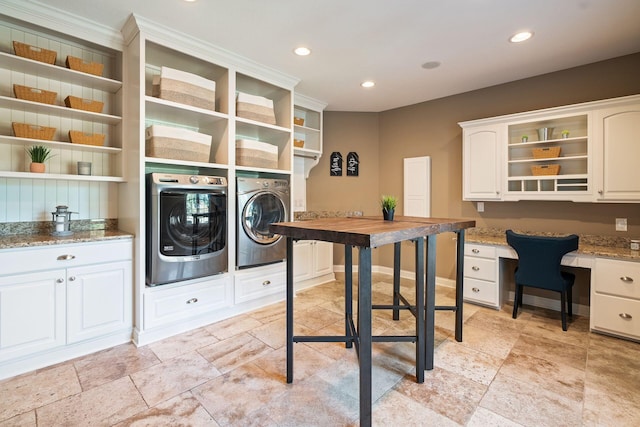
(176, 143)
(254, 107)
(185, 88)
(257, 154)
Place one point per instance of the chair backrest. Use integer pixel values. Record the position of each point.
(539, 258)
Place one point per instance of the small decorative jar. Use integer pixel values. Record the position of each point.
(525, 138)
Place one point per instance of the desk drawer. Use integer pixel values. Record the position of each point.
(481, 291)
(482, 251)
(621, 278)
(616, 315)
(480, 268)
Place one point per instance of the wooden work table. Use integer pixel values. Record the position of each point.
(366, 233)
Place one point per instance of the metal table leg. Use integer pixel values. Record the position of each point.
(420, 323)
(396, 279)
(459, 284)
(348, 292)
(430, 300)
(364, 334)
(289, 310)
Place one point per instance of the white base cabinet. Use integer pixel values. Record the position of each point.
(481, 275)
(312, 263)
(63, 301)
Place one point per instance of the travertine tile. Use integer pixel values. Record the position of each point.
(233, 397)
(467, 362)
(306, 362)
(542, 325)
(490, 341)
(316, 318)
(173, 377)
(113, 363)
(603, 408)
(396, 409)
(614, 369)
(28, 419)
(274, 333)
(182, 410)
(551, 350)
(269, 313)
(26, 392)
(233, 326)
(233, 352)
(485, 418)
(498, 320)
(104, 405)
(182, 343)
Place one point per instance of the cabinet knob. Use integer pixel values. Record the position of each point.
(192, 301)
(60, 281)
(475, 251)
(72, 278)
(66, 257)
(600, 192)
(476, 290)
(626, 316)
(474, 268)
(627, 279)
(266, 283)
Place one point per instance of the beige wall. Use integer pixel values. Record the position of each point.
(383, 140)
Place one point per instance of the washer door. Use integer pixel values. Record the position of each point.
(261, 210)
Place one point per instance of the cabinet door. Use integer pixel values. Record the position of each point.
(32, 313)
(481, 162)
(617, 131)
(302, 260)
(323, 258)
(99, 300)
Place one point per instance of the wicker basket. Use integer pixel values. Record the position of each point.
(299, 121)
(77, 137)
(24, 130)
(78, 64)
(298, 143)
(33, 94)
(545, 170)
(83, 104)
(35, 53)
(546, 153)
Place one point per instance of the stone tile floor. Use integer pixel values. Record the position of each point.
(506, 372)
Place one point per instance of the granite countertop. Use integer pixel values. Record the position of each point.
(600, 246)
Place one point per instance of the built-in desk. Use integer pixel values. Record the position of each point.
(614, 277)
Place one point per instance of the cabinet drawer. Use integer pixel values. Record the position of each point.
(260, 283)
(162, 306)
(480, 268)
(482, 251)
(616, 315)
(64, 256)
(481, 291)
(620, 278)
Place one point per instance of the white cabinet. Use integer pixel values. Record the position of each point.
(312, 263)
(582, 153)
(482, 161)
(255, 283)
(616, 135)
(74, 299)
(615, 298)
(481, 276)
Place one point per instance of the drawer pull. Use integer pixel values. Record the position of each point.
(192, 301)
(66, 257)
(626, 316)
(475, 251)
(60, 281)
(476, 290)
(72, 278)
(475, 268)
(266, 283)
(627, 279)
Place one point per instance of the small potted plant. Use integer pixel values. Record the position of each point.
(39, 154)
(565, 134)
(388, 207)
(525, 138)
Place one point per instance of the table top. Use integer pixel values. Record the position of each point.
(368, 231)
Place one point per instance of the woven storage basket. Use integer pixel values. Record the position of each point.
(177, 143)
(77, 137)
(83, 104)
(78, 64)
(546, 153)
(299, 121)
(545, 170)
(298, 143)
(184, 88)
(35, 53)
(257, 154)
(24, 130)
(254, 107)
(34, 94)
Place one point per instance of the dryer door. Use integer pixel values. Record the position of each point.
(261, 210)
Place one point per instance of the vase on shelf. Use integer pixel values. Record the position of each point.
(36, 167)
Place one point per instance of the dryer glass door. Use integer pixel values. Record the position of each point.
(260, 211)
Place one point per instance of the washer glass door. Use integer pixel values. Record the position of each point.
(260, 211)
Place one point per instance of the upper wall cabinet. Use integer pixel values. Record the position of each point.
(81, 119)
(582, 153)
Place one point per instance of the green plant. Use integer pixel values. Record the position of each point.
(565, 133)
(389, 202)
(39, 153)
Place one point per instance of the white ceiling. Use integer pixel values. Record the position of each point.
(388, 40)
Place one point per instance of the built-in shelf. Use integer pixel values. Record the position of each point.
(69, 177)
(58, 144)
(57, 110)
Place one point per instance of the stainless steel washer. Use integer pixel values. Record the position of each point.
(261, 201)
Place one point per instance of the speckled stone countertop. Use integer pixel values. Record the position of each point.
(589, 244)
(307, 215)
(38, 233)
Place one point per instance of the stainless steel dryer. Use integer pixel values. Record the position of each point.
(261, 201)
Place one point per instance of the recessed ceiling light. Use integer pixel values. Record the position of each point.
(367, 84)
(521, 36)
(302, 51)
(430, 65)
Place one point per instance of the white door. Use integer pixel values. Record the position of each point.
(417, 186)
